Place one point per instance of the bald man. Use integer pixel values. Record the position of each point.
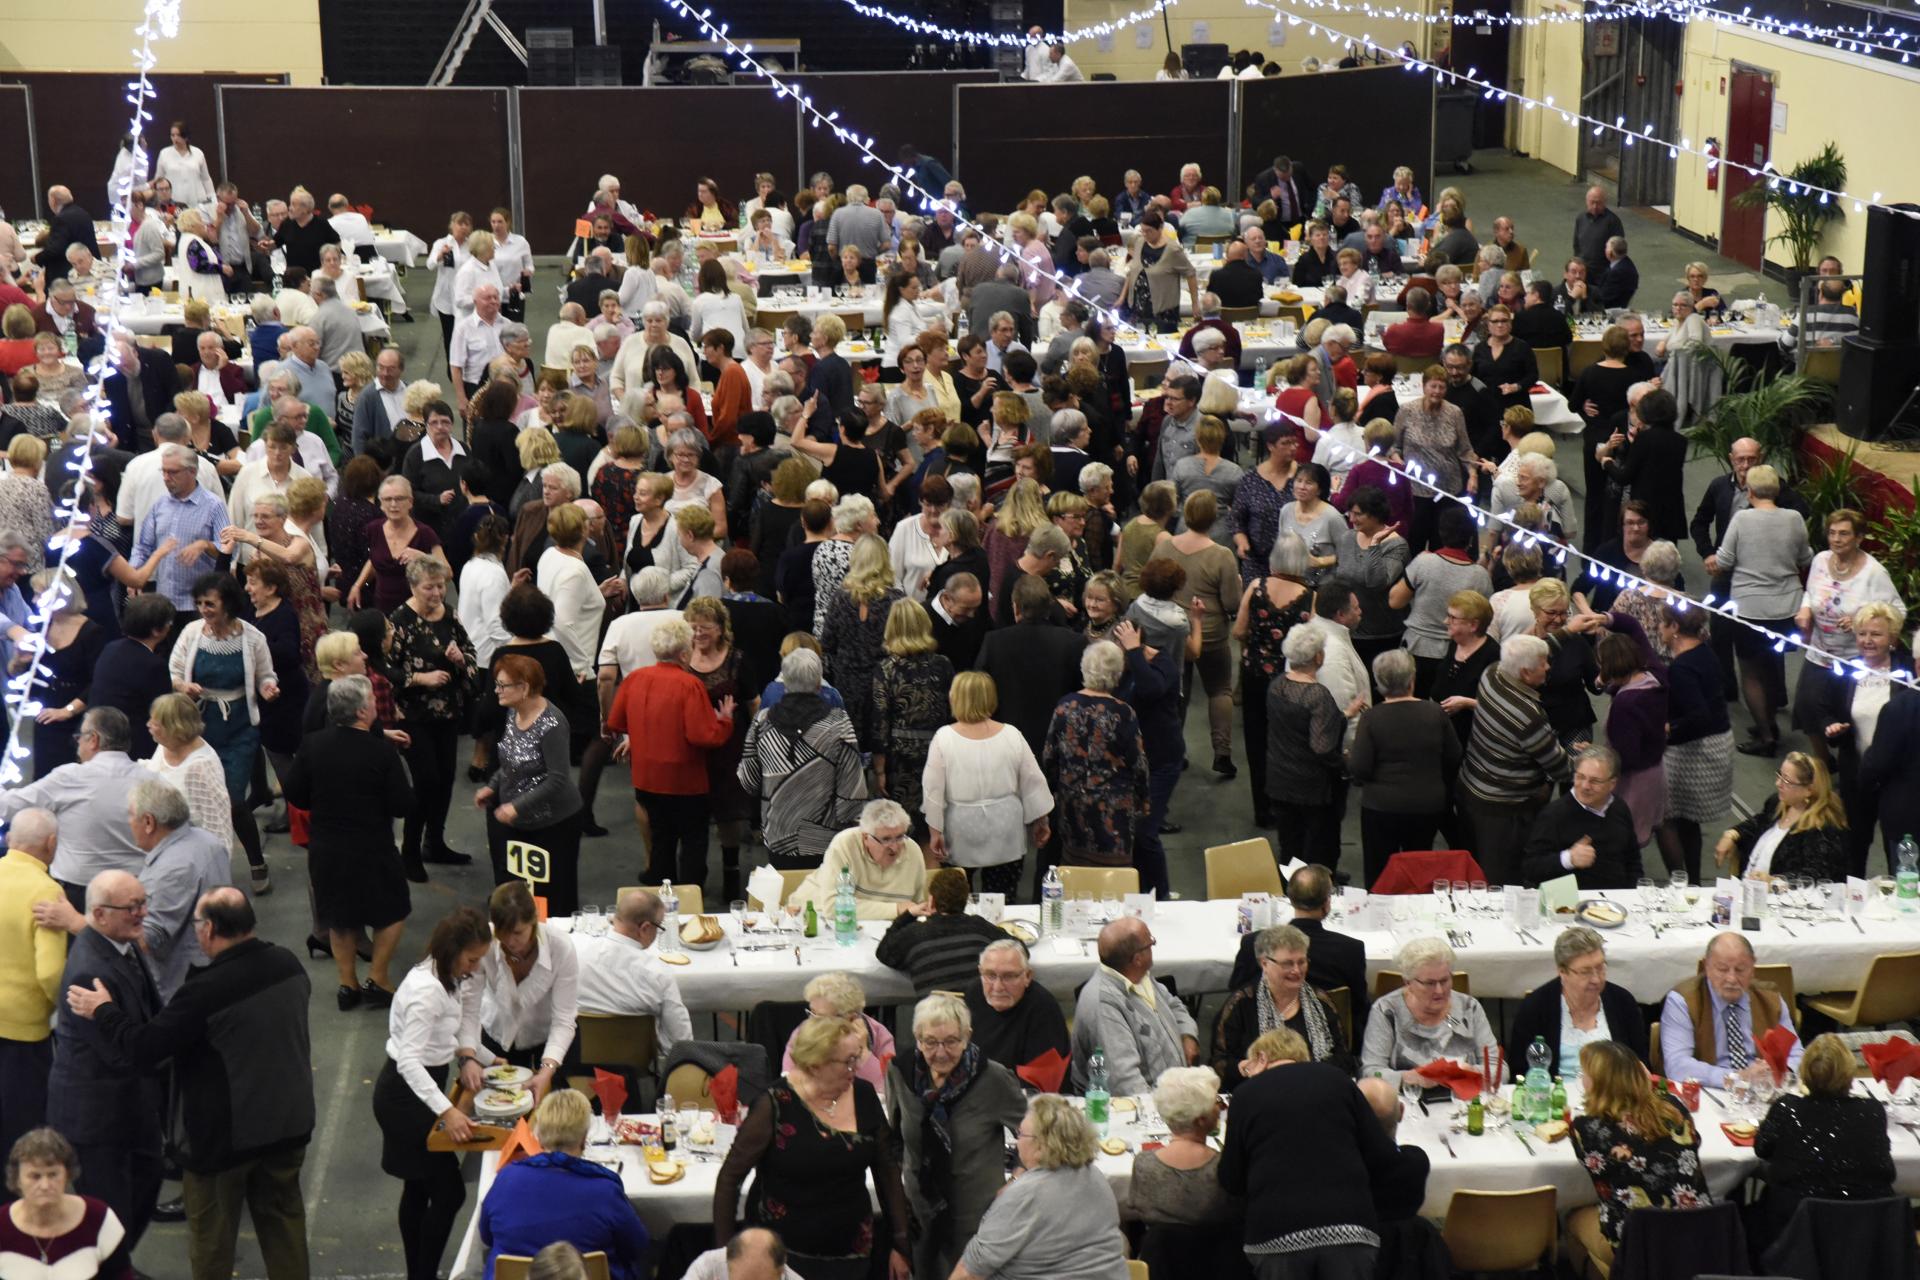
(568, 332)
(31, 959)
(69, 224)
(1237, 281)
(620, 972)
(1139, 1025)
(753, 1254)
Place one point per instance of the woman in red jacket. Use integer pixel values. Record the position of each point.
(673, 727)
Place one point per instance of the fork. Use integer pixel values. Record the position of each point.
(1447, 1142)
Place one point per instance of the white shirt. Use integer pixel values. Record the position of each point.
(483, 585)
(618, 975)
(208, 384)
(311, 453)
(192, 183)
(353, 229)
(471, 275)
(630, 362)
(249, 483)
(577, 608)
(1039, 62)
(562, 338)
(1869, 702)
(718, 311)
(394, 401)
(628, 645)
(637, 288)
(756, 379)
(1761, 859)
(782, 220)
(424, 1028)
(445, 271)
(1065, 71)
(476, 343)
(513, 258)
(541, 1009)
(141, 485)
(1342, 672)
(297, 307)
(914, 558)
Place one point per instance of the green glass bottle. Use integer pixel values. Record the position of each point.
(1476, 1116)
(812, 929)
(1557, 1107)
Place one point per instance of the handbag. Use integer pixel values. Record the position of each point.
(985, 833)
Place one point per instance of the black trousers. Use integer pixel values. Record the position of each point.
(430, 759)
(24, 1065)
(1307, 831)
(679, 850)
(1253, 718)
(1384, 834)
(561, 840)
(127, 1175)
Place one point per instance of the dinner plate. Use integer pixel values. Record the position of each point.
(1020, 929)
(506, 1077)
(1608, 919)
(701, 946)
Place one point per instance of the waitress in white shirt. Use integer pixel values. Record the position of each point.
(513, 262)
(477, 270)
(432, 1005)
(530, 979)
(185, 166)
(448, 255)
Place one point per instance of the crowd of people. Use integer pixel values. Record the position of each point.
(936, 631)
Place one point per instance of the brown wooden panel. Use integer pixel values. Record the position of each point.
(1385, 119)
(415, 155)
(17, 196)
(80, 117)
(657, 141)
(914, 107)
(1015, 137)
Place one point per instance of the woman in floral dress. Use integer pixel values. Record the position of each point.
(1639, 1146)
(434, 662)
(1096, 763)
(1257, 501)
(909, 705)
(1273, 604)
(853, 631)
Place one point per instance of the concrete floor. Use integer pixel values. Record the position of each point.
(351, 1204)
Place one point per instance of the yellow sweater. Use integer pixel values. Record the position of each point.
(31, 958)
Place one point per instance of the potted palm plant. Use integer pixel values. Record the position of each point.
(1797, 199)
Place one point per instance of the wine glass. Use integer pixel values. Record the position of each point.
(1644, 887)
(1440, 895)
(1676, 891)
(1803, 892)
(1458, 896)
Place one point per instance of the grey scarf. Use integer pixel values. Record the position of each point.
(1319, 1037)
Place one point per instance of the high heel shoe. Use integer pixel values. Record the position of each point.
(375, 995)
(475, 773)
(347, 997)
(318, 948)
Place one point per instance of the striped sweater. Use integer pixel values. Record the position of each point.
(1513, 753)
(940, 952)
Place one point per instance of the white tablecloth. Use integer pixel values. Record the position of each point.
(401, 248)
(155, 320)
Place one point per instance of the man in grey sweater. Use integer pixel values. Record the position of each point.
(1139, 1025)
(859, 224)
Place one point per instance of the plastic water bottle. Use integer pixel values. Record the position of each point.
(1260, 373)
(960, 325)
(1099, 1101)
(1539, 1083)
(846, 919)
(1906, 861)
(1053, 897)
(670, 930)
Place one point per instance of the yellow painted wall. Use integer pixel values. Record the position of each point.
(1233, 23)
(1547, 58)
(1864, 107)
(215, 35)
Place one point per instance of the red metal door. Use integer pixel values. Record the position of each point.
(1749, 137)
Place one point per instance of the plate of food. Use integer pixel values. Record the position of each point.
(502, 1104)
(1600, 913)
(664, 1169)
(702, 933)
(506, 1076)
(1020, 929)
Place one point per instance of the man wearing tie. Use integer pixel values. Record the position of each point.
(1711, 1026)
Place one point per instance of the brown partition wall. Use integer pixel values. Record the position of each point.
(1016, 137)
(657, 141)
(1371, 119)
(18, 196)
(415, 155)
(890, 109)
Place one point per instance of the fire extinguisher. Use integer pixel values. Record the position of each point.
(1713, 164)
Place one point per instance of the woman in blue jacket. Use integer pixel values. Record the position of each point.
(556, 1195)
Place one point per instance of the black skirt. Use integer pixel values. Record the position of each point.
(358, 881)
(405, 1122)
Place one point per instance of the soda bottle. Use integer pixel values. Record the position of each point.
(1052, 897)
(1906, 861)
(1557, 1104)
(846, 918)
(1098, 1099)
(1476, 1116)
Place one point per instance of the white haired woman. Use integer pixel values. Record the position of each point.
(951, 1106)
(1095, 760)
(1179, 1184)
(1058, 1219)
(1305, 730)
(804, 797)
(1278, 997)
(1427, 1021)
(853, 516)
(888, 867)
(1764, 550)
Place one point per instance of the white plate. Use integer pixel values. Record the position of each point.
(701, 946)
(506, 1077)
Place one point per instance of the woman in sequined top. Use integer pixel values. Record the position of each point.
(532, 798)
(1827, 1145)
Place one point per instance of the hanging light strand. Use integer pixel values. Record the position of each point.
(1009, 39)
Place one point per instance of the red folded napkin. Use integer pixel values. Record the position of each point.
(612, 1092)
(1464, 1081)
(1538, 389)
(1045, 1072)
(725, 1089)
(1893, 1062)
(298, 821)
(1774, 1047)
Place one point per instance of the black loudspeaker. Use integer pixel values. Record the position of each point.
(597, 66)
(1890, 295)
(1876, 380)
(1203, 61)
(549, 55)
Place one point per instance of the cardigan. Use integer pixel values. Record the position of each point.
(253, 652)
(673, 727)
(977, 1123)
(1820, 853)
(1539, 1015)
(1139, 1042)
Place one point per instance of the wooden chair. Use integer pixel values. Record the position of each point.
(1552, 366)
(1342, 1001)
(619, 1039)
(1502, 1230)
(1240, 315)
(773, 319)
(1296, 312)
(1101, 882)
(1246, 866)
(1889, 993)
(1389, 980)
(509, 1267)
(789, 881)
(692, 1084)
(1137, 1270)
(1412, 364)
(1203, 241)
(692, 902)
(1777, 976)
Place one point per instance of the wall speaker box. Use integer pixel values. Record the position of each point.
(1876, 378)
(1203, 61)
(1890, 295)
(597, 66)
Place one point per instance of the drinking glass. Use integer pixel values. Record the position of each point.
(1440, 889)
(738, 910)
(1480, 896)
(1459, 896)
(1676, 891)
(1803, 892)
(1649, 896)
(586, 921)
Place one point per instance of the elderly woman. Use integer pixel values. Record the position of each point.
(1095, 760)
(1405, 753)
(1427, 1022)
(811, 1142)
(853, 628)
(1272, 606)
(83, 1234)
(51, 370)
(1305, 732)
(1208, 470)
(1764, 550)
(1577, 1007)
(984, 792)
(435, 661)
(563, 577)
(434, 465)
(951, 1107)
(1059, 1218)
(1828, 1144)
(531, 797)
(616, 485)
(1840, 580)
(1279, 997)
(691, 485)
(183, 759)
(397, 542)
(1572, 671)
(888, 867)
(557, 1195)
(537, 450)
(853, 516)
(1431, 433)
(269, 589)
(729, 678)
(1637, 1143)
(797, 823)
(1158, 270)
(25, 505)
(909, 706)
(1178, 1185)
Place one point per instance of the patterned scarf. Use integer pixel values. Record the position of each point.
(1319, 1037)
(936, 1135)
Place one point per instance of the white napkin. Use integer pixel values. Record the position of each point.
(765, 885)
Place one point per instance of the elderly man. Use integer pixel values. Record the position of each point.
(282, 384)
(107, 1104)
(236, 1030)
(1399, 1191)
(1100, 284)
(1336, 611)
(1059, 67)
(89, 799)
(1139, 1025)
(334, 324)
(1002, 295)
(71, 320)
(1512, 758)
(566, 333)
(1588, 832)
(189, 515)
(348, 223)
(383, 404)
(1239, 282)
(235, 231)
(938, 950)
(1180, 400)
(888, 869)
(1332, 367)
(1592, 229)
(31, 959)
(620, 973)
(597, 278)
(1379, 256)
(1016, 1022)
(214, 374)
(753, 1254)
(308, 448)
(302, 234)
(1271, 266)
(859, 225)
(1518, 257)
(139, 387)
(83, 268)
(476, 343)
(960, 623)
(140, 482)
(303, 360)
(69, 224)
(1621, 279)
(1711, 1025)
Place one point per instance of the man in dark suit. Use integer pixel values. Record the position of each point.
(70, 224)
(1333, 960)
(599, 277)
(1479, 406)
(1237, 282)
(140, 389)
(960, 624)
(1588, 832)
(1033, 663)
(1287, 187)
(1621, 280)
(1725, 495)
(104, 1102)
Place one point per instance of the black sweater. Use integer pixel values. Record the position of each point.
(1616, 852)
(940, 952)
(1695, 708)
(1022, 1033)
(1403, 753)
(1539, 1015)
(1820, 852)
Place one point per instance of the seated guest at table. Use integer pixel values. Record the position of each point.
(810, 1142)
(753, 1254)
(1137, 1022)
(1336, 960)
(1279, 997)
(1638, 1144)
(1316, 264)
(1801, 830)
(1419, 334)
(1577, 1007)
(1015, 1021)
(950, 1106)
(1059, 1219)
(1711, 1024)
(1178, 1185)
(1237, 281)
(839, 996)
(619, 974)
(1426, 1019)
(1827, 1145)
(557, 1195)
(530, 987)
(1539, 323)
(888, 867)
(1271, 266)
(1588, 832)
(1341, 307)
(1399, 1195)
(939, 949)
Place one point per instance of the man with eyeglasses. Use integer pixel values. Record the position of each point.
(89, 799)
(189, 516)
(1578, 1006)
(1588, 832)
(1139, 1024)
(235, 1031)
(1015, 1021)
(621, 974)
(1334, 960)
(938, 950)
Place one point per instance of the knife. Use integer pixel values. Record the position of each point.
(1523, 1141)
(1856, 923)
(1423, 1106)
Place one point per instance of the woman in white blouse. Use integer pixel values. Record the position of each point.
(183, 758)
(185, 166)
(908, 315)
(913, 549)
(483, 586)
(512, 261)
(433, 1024)
(1839, 581)
(982, 791)
(715, 306)
(530, 986)
(477, 270)
(563, 577)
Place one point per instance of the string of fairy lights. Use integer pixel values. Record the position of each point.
(160, 20)
(1008, 39)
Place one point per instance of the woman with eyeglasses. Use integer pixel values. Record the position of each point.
(1801, 830)
(531, 797)
(811, 1142)
(951, 1106)
(1278, 997)
(1059, 1217)
(1505, 363)
(1428, 1021)
(1577, 1007)
(398, 542)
